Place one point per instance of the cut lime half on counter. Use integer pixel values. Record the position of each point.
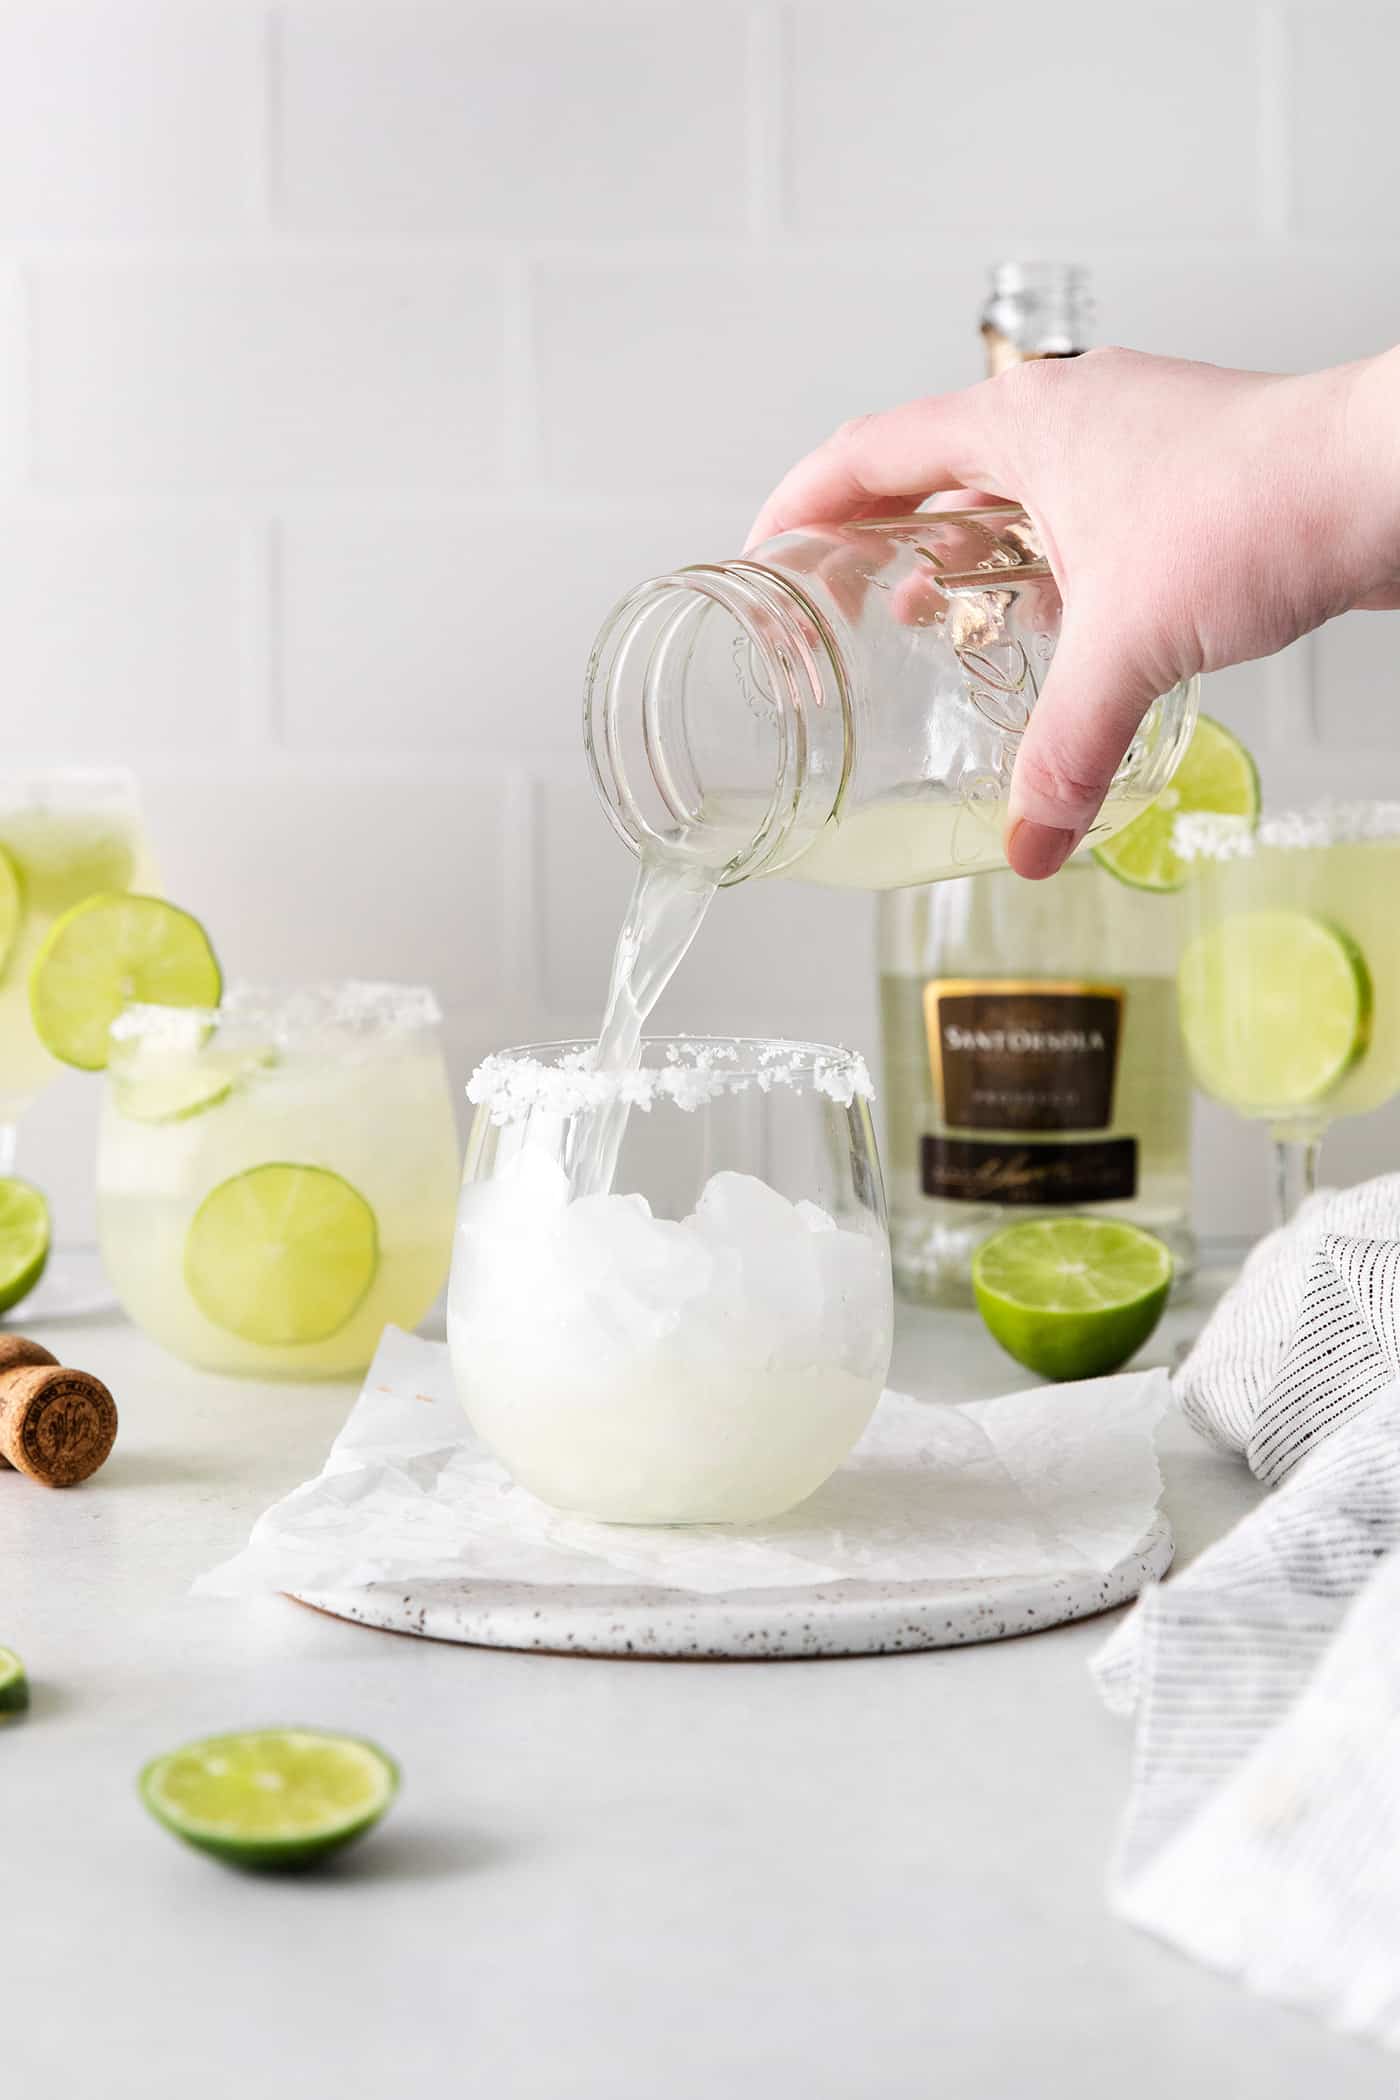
(1071, 1297)
(11, 908)
(1275, 1008)
(1216, 774)
(282, 1254)
(14, 1684)
(25, 1237)
(112, 951)
(273, 1797)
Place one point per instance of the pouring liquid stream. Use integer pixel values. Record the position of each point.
(669, 900)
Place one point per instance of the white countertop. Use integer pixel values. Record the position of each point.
(603, 1880)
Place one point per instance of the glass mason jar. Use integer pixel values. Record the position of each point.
(1033, 1064)
(276, 1180)
(844, 705)
(704, 1342)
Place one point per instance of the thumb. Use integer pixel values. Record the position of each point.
(1092, 702)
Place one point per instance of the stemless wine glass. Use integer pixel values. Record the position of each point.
(65, 834)
(276, 1180)
(1290, 981)
(707, 1340)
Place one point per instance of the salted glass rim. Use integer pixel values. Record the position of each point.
(685, 1071)
(1205, 835)
(366, 1009)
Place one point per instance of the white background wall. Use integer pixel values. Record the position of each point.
(355, 355)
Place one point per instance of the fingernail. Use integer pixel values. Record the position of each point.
(1037, 850)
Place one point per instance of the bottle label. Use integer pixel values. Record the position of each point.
(1032, 1056)
(985, 1170)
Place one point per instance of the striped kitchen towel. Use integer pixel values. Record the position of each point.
(1232, 1386)
(1262, 1834)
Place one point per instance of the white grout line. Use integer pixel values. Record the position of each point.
(1274, 137)
(1292, 689)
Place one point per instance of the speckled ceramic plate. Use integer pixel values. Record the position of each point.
(844, 1618)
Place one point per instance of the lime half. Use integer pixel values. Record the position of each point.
(11, 908)
(14, 1685)
(274, 1797)
(1275, 1008)
(112, 951)
(1216, 773)
(24, 1240)
(1071, 1297)
(282, 1254)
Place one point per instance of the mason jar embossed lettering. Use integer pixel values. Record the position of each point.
(845, 704)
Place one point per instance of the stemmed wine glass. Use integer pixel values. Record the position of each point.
(1290, 979)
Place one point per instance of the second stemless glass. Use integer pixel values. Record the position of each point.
(706, 1343)
(64, 835)
(276, 1180)
(1290, 980)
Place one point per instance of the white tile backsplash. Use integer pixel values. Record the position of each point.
(713, 373)
(138, 119)
(344, 370)
(446, 635)
(1343, 69)
(1045, 123)
(528, 122)
(356, 355)
(1356, 680)
(119, 640)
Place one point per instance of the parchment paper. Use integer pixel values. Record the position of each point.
(1057, 1479)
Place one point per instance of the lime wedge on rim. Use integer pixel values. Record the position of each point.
(24, 1239)
(270, 1797)
(1216, 773)
(111, 951)
(282, 1254)
(1275, 1008)
(14, 1685)
(172, 1090)
(11, 907)
(1071, 1297)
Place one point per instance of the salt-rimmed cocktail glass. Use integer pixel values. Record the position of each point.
(1290, 979)
(276, 1179)
(705, 1342)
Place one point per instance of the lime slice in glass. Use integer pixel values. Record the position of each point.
(11, 907)
(1216, 773)
(112, 951)
(24, 1239)
(169, 1091)
(1275, 1008)
(282, 1254)
(14, 1685)
(274, 1797)
(1071, 1297)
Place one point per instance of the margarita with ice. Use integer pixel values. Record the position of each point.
(277, 1178)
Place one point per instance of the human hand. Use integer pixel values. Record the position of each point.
(1194, 517)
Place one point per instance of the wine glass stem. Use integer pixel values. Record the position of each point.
(1295, 1173)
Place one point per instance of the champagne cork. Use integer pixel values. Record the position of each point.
(56, 1425)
